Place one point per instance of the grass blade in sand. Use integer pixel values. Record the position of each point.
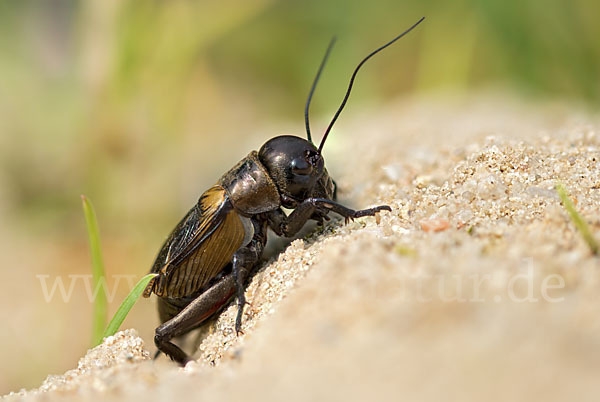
(98, 276)
(577, 219)
(132, 297)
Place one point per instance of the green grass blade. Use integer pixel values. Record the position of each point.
(98, 276)
(580, 224)
(132, 297)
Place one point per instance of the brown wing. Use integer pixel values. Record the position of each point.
(199, 247)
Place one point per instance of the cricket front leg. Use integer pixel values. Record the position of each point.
(288, 226)
(347, 213)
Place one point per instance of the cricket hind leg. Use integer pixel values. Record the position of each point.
(193, 315)
(213, 299)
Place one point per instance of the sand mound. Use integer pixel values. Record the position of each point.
(476, 286)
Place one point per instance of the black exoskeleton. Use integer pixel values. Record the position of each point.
(215, 248)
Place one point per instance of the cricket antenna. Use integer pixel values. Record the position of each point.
(314, 85)
(373, 53)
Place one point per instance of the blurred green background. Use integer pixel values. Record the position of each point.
(143, 104)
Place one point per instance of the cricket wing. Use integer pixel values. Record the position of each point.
(201, 244)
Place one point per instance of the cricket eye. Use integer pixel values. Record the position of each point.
(314, 158)
(301, 167)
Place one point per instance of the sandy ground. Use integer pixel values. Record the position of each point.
(476, 286)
